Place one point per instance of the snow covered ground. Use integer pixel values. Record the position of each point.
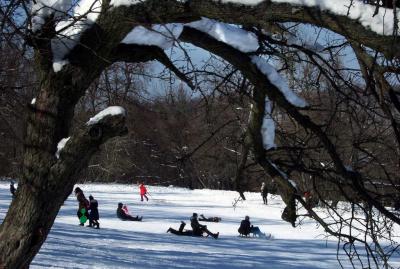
(146, 244)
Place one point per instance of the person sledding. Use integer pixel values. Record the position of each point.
(143, 192)
(84, 205)
(94, 213)
(123, 213)
(180, 231)
(209, 219)
(199, 229)
(246, 229)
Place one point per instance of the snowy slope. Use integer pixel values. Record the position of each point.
(146, 244)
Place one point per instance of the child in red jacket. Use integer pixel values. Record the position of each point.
(143, 192)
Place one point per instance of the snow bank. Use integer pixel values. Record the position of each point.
(61, 145)
(232, 35)
(276, 79)
(109, 111)
(145, 244)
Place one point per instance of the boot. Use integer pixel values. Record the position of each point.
(216, 235)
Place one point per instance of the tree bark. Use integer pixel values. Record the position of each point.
(44, 188)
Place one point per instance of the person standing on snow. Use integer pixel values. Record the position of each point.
(12, 189)
(143, 192)
(83, 206)
(264, 192)
(94, 213)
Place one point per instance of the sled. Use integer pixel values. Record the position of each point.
(83, 218)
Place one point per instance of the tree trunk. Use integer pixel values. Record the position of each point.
(46, 180)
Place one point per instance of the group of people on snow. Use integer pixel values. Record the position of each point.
(88, 210)
(198, 229)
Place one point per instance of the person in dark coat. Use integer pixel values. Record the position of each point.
(94, 213)
(264, 192)
(83, 205)
(246, 228)
(181, 231)
(124, 215)
(12, 189)
(199, 229)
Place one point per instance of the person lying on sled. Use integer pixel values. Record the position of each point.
(123, 213)
(210, 219)
(181, 231)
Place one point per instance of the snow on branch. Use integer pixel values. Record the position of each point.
(117, 3)
(277, 80)
(109, 111)
(61, 145)
(381, 23)
(283, 175)
(69, 31)
(229, 34)
(43, 9)
(268, 126)
(162, 36)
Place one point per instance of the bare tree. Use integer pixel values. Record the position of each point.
(65, 75)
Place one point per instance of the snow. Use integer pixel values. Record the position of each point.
(117, 3)
(162, 36)
(268, 127)
(61, 145)
(277, 80)
(119, 244)
(109, 111)
(69, 31)
(58, 64)
(381, 23)
(232, 35)
(43, 9)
